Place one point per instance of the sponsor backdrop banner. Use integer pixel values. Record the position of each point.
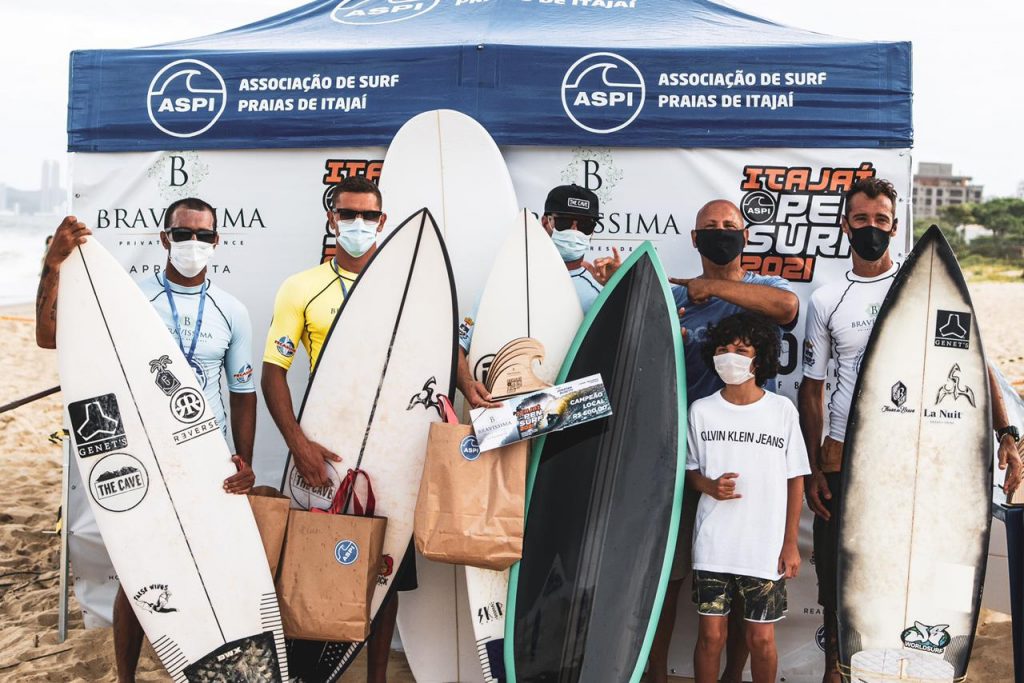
(637, 73)
(271, 209)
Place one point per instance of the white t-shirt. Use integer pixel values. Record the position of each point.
(761, 442)
(839, 322)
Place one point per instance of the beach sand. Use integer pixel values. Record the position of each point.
(30, 467)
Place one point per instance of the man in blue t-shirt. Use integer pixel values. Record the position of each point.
(722, 289)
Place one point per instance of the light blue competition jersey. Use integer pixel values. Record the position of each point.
(587, 289)
(225, 337)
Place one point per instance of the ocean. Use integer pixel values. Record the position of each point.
(22, 244)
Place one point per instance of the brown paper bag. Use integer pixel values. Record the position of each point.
(270, 509)
(329, 571)
(470, 505)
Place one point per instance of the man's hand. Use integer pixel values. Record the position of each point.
(477, 395)
(818, 492)
(70, 234)
(309, 461)
(724, 488)
(789, 561)
(698, 289)
(1009, 460)
(681, 328)
(605, 267)
(241, 481)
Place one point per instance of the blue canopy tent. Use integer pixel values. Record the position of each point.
(628, 73)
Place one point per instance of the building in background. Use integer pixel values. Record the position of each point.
(935, 186)
(49, 199)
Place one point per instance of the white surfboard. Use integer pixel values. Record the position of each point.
(447, 162)
(915, 508)
(528, 294)
(153, 460)
(373, 393)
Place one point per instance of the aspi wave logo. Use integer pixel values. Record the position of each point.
(603, 92)
(186, 98)
(363, 12)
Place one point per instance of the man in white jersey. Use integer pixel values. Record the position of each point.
(839, 322)
(570, 217)
(214, 333)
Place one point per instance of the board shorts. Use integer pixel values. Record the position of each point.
(405, 579)
(764, 600)
(826, 545)
(682, 562)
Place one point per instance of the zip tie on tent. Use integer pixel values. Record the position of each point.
(57, 438)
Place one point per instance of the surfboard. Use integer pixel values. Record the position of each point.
(915, 508)
(528, 294)
(603, 498)
(153, 460)
(447, 162)
(372, 396)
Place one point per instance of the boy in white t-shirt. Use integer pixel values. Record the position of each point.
(746, 455)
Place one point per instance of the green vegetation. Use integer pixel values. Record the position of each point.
(998, 258)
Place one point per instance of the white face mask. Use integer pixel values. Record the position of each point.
(571, 244)
(734, 368)
(356, 236)
(189, 258)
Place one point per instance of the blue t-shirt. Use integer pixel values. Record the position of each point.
(702, 380)
(225, 338)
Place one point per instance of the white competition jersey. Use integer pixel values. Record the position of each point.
(839, 322)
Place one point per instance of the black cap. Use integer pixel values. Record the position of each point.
(572, 199)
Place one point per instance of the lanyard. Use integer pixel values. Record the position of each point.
(341, 279)
(177, 325)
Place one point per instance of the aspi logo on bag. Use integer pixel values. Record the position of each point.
(186, 98)
(926, 638)
(362, 12)
(469, 448)
(346, 552)
(603, 92)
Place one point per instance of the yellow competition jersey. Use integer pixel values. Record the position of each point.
(304, 310)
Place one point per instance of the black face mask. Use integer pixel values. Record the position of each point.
(869, 242)
(719, 246)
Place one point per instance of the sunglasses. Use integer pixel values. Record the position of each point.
(584, 224)
(185, 234)
(352, 214)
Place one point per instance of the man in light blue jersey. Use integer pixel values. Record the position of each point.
(570, 217)
(213, 331)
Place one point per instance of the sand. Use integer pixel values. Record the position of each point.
(30, 467)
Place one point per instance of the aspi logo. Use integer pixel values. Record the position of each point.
(346, 552)
(362, 12)
(469, 448)
(603, 92)
(186, 98)
(758, 207)
(926, 638)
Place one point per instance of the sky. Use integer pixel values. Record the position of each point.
(968, 101)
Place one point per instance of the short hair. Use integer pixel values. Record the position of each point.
(191, 204)
(357, 184)
(753, 329)
(873, 188)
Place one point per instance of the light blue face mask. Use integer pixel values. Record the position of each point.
(572, 245)
(356, 236)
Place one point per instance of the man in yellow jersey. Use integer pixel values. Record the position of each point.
(304, 311)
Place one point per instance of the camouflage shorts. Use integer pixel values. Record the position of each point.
(764, 600)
